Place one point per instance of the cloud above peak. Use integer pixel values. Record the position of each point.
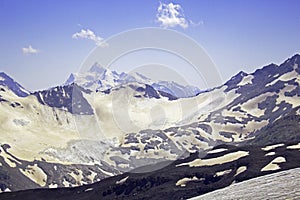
(171, 15)
(90, 35)
(29, 50)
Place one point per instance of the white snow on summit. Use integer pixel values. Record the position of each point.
(98, 78)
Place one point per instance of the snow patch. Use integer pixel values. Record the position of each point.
(66, 183)
(89, 189)
(53, 185)
(240, 170)
(288, 76)
(296, 146)
(268, 148)
(107, 173)
(8, 158)
(122, 180)
(217, 150)
(92, 176)
(222, 173)
(272, 153)
(246, 80)
(36, 174)
(5, 190)
(182, 182)
(78, 177)
(214, 161)
(273, 165)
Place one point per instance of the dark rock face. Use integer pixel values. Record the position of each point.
(262, 77)
(169, 96)
(150, 92)
(232, 83)
(285, 129)
(69, 97)
(263, 81)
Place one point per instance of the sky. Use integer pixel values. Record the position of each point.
(42, 42)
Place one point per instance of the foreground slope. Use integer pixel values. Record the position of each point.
(280, 185)
(182, 179)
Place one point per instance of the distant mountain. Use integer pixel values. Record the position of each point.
(98, 78)
(8, 82)
(176, 89)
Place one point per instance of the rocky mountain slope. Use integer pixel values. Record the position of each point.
(182, 179)
(70, 135)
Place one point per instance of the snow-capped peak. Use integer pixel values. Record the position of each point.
(8, 82)
(70, 80)
(97, 68)
(98, 78)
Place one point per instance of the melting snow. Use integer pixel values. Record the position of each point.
(78, 177)
(240, 170)
(53, 185)
(36, 174)
(217, 150)
(182, 182)
(89, 189)
(5, 190)
(8, 159)
(218, 160)
(222, 173)
(122, 180)
(66, 183)
(270, 154)
(268, 148)
(246, 80)
(92, 176)
(296, 146)
(273, 165)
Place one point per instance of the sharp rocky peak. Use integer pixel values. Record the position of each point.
(7, 81)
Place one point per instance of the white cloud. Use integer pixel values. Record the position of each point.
(90, 35)
(29, 50)
(171, 15)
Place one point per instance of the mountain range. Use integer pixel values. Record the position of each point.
(124, 136)
(102, 79)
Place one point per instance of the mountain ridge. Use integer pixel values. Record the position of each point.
(6, 80)
(249, 109)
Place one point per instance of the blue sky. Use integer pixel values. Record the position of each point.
(37, 48)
